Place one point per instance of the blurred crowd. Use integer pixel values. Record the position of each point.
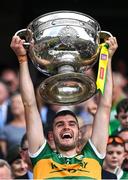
(14, 156)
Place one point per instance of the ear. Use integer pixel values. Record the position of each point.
(50, 135)
(125, 155)
(80, 135)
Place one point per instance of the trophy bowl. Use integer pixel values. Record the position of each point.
(63, 45)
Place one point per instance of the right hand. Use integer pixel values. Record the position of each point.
(113, 45)
(17, 46)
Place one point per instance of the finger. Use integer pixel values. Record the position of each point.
(17, 40)
(111, 41)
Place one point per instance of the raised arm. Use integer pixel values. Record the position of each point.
(33, 120)
(101, 120)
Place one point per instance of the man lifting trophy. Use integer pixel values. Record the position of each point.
(64, 45)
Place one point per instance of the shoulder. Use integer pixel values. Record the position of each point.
(108, 175)
(43, 152)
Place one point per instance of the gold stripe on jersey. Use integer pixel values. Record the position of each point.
(47, 168)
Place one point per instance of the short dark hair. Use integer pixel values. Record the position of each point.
(122, 105)
(13, 154)
(115, 140)
(64, 113)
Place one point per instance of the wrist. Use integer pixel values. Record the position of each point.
(22, 58)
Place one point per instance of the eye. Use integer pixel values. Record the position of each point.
(110, 152)
(119, 152)
(72, 123)
(60, 124)
(123, 117)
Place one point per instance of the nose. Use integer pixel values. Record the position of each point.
(66, 126)
(24, 165)
(114, 155)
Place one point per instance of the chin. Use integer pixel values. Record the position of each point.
(67, 147)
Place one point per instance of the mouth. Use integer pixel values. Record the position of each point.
(66, 135)
(114, 162)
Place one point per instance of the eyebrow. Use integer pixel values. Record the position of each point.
(70, 121)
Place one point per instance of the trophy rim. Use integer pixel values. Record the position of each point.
(49, 14)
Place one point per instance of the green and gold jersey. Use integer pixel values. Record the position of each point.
(52, 165)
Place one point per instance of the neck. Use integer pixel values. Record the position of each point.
(68, 153)
(110, 169)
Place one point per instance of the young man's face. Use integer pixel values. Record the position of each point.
(123, 118)
(114, 156)
(65, 132)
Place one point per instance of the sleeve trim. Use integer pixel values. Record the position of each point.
(101, 156)
(38, 151)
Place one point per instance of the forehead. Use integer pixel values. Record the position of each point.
(17, 161)
(66, 118)
(123, 113)
(112, 147)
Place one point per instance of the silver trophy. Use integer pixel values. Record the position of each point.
(63, 45)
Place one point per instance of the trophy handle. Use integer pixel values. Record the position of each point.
(22, 34)
(105, 35)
